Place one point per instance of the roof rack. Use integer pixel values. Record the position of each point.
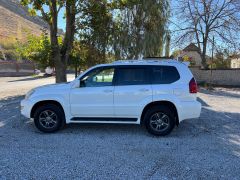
(155, 57)
(128, 61)
(144, 61)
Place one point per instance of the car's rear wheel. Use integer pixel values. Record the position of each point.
(49, 118)
(159, 120)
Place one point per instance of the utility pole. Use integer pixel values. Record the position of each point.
(213, 44)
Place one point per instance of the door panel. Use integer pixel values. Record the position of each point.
(132, 89)
(92, 101)
(94, 97)
(128, 99)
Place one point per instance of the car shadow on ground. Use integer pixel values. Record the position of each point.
(30, 78)
(10, 100)
(204, 104)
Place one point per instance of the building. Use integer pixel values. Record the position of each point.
(235, 63)
(191, 53)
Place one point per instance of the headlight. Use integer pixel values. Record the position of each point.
(29, 93)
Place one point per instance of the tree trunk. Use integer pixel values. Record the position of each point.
(68, 38)
(76, 69)
(167, 45)
(60, 66)
(61, 75)
(61, 56)
(203, 54)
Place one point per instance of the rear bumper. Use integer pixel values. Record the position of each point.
(26, 107)
(189, 110)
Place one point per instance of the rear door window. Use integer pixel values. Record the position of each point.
(164, 74)
(132, 76)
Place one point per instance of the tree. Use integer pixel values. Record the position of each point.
(94, 26)
(78, 57)
(95, 30)
(176, 53)
(167, 45)
(202, 19)
(122, 29)
(141, 28)
(37, 49)
(60, 54)
(221, 59)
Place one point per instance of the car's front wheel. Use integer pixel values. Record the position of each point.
(159, 120)
(49, 118)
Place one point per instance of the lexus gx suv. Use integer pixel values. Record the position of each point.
(157, 94)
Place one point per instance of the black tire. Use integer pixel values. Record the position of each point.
(159, 126)
(57, 120)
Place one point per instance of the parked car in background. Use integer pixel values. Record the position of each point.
(49, 71)
(156, 94)
(37, 71)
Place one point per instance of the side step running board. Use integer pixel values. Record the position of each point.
(103, 119)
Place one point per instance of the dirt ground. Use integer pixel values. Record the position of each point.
(204, 148)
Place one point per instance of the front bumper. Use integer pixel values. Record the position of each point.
(26, 107)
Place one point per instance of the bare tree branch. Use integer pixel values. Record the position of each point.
(201, 19)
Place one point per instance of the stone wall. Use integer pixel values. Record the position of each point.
(16, 69)
(226, 77)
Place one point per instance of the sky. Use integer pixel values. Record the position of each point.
(61, 20)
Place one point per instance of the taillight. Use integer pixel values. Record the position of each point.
(193, 86)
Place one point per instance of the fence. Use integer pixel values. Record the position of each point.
(16, 68)
(223, 77)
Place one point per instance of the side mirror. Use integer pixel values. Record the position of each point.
(82, 83)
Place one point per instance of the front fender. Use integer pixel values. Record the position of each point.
(63, 100)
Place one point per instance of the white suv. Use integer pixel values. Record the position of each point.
(157, 94)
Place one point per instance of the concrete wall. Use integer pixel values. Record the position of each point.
(228, 77)
(16, 69)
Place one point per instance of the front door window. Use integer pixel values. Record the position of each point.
(98, 78)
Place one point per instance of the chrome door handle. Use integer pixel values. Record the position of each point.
(107, 91)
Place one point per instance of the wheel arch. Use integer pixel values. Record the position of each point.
(44, 102)
(162, 103)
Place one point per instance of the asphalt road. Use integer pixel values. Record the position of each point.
(204, 148)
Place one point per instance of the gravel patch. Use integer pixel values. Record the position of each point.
(204, 148)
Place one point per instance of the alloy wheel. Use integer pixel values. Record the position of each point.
(48, 119)
(159, 121)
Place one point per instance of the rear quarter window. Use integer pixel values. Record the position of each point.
(164, 74)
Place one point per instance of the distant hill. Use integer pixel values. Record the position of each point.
(15, 21)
